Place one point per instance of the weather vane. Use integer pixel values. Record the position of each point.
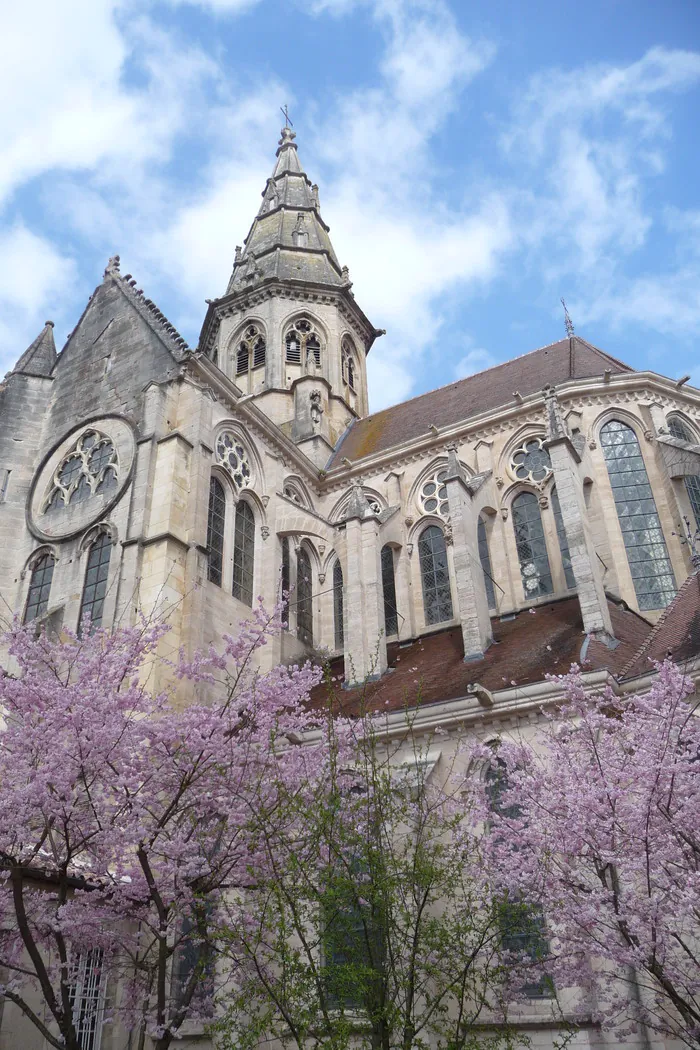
(287, 122)
(567, 320)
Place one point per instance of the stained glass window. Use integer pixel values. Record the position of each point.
(244, 553)
(647, 555)
(39, 588)
(304, 595)
(563, 541)
(285, 581)
(391, 616)
(531, 546)
(95, 587)
(233, 455)
(677, 428)
(215, 530)
(435, 575)
(338, 605)
(485, 559)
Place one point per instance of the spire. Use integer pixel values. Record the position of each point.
(288, 239)
(40, 356)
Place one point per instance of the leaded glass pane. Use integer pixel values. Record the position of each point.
(39, 588)
(338, 605)
(435, 575)
(391, 616)
(305, 619)
(243, 554)
(644, 541)
(485, 559)
(285, 581)
(215, 530)
(531, 546)
(95, 587)
(563, 541)
(678, 428)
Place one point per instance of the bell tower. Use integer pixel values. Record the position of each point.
(288, 329)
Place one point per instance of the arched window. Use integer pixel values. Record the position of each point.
(338, 605)
(242, 360)
(243, 553)
(678, 428)
(39, 588)
(95, 587)
(563, 541)
(285, 581)
(347, 362)
(532, 549)
(485, 559)
(215, 530)
(251, 350)
(647, 555)
(304, 593)
(435, 575)
(391, 615)
(302, 340)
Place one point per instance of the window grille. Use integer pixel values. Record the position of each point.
(563, 541)
(485, 559)
(304, 595)
(87, 995)
(95, 587)
(391, 615)
(435, 575)
(39, 588)
(338, 605)
(244, 553)
(640, 525)
(215, 530)
(531, 546)
(677, 428)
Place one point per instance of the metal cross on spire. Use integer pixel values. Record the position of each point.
(567, 321)
(287, 122)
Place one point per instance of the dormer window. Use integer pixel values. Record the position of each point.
(251, 350)
(302, 343)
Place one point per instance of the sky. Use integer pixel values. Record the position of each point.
(476, 162)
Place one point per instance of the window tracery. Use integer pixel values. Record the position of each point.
(293, 494)
(251, 350)
(435, 575)
(531, 462)
(302, 341)
(233, 455)
(91, 467)
(347, 362)
(678, 428)
(433, 494)
(531, 546)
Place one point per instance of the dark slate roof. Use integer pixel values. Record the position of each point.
(567, 359)
(40, 356)
(676, 634)
(526, 648)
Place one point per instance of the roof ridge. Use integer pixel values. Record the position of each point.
(646, 644)
(605, 354)
(129, 282)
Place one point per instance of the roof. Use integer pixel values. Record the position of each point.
(526, 647)
(572, 358)
(40, 356)
(676, 634)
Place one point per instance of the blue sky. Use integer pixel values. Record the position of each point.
(475, 162)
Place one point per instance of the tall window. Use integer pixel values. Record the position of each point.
(304, 592)
(302, 342)
(95, 587)
(485, 559)
(435, 575)
(391, 615)
(251, 350)
(285, 581)
(87, 993)
(244, 553)
(338, 605)
(39, 588)
(563, 541)
(215, 530)
(647, 555)
(530, 543)
(347, 362)
(678, 429)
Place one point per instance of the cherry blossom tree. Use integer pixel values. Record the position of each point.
(599, 825)
(126, 826)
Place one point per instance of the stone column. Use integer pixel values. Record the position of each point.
(363, 605)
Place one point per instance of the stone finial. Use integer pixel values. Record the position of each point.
(238, 255)
(358, 505)
(555, 423)
(112, 266)
(287, 137)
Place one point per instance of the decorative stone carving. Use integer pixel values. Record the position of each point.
(264, 531)
(315, 399)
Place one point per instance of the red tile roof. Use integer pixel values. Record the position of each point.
(676, 634)
(567, 359)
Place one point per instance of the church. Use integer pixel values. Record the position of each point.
(476, 538)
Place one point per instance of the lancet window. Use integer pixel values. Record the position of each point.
(348, 366)
(285, 581)
(91, 467)
(391, 615)
(563, 541)
(39, 588)
(215, 530)
(435, 575)
(303, 344)
(640, 525)
(531, 546)
(95, 587)
(338, 605)
(485, 559)
(304, 597)
(678, 428)
(251, 350)
(244, 553)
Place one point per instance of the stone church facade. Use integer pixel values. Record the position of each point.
(139, 475)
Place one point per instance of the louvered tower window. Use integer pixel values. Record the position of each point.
(435, 575)
(678, 429)
(215, 530)
(95, 588)
(338, 605)
(563, 541)
(640, 525)
(485, 559)
(304, 595)
(39, 588)
(243, 553)
(391, 615)
(531, 546)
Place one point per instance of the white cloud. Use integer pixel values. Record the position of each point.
(476, 360)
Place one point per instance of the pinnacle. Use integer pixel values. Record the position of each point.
(40, 356)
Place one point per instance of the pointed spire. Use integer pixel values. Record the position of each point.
(40, 356)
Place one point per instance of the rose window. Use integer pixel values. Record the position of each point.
(433, 495)
(531, 461)
(232, 455)
(90, 468)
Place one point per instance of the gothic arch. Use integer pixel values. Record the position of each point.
(685, 422)
(435, 466)
(624, 416)
(232, 426)
(340, 506)
(233, 341)
(422, 523)
(89, 537)
(298, 492)
(37, 555)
